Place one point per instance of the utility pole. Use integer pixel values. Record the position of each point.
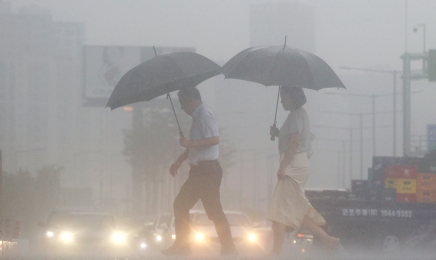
(394, 100)
(408, 76)
(361, 132)
(344, 145)
(373, 112)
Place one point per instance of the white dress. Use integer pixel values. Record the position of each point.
(289, 204)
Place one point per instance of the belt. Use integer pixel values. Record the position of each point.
(205, 162)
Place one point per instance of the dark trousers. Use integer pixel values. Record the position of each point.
(203, 184)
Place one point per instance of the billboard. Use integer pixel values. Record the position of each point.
(103, 66)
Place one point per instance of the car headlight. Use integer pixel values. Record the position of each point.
(199, 237)
(158, 238)
(252, 237)
(66, 237)
(119, 237)
(143, 245)
(49, 234)
(173, 236)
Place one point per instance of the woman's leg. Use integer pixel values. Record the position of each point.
(329, 241)
(279, 235)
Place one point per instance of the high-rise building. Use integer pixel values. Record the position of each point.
(43, 119)
(39, 64)
(270, 23)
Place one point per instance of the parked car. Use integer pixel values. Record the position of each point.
(70, 233)
(246, 237)
(203, 234)
(163, 234)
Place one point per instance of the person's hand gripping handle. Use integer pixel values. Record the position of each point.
(273, 131)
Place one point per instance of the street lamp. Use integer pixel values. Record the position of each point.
(415, 29)
(351, 143)
(394, 96)
(373, 111)
(361, 132)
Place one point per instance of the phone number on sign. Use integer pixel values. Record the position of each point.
(375, 212)
(396, 213)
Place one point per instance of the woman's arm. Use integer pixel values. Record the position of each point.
(294, 142)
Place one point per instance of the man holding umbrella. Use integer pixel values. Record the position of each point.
(204, 179)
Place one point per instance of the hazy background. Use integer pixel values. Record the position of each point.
(357, 33)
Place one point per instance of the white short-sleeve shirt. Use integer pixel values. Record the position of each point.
(203, 126)
(296, 122)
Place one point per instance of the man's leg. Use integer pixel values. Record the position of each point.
(185, 200)
(211, 201)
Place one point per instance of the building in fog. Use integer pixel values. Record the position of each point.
(270, 23)
(42, 117)
(39, 68)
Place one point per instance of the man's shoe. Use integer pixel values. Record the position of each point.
(229, 253)
(176, 250)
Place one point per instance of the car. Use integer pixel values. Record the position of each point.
(246, 235)
(142, 238)
(163, 232)
(70, 233)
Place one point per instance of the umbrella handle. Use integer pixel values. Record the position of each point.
(273, 136)
(177, 120)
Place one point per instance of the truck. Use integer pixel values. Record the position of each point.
(394, 209)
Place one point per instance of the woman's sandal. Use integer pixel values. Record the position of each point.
(333, 245)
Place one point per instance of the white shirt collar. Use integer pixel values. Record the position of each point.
(197, 110)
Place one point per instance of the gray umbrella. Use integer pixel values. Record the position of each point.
(282, 66)
(162, 75)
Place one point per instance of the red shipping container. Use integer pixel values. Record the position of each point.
(401, 171)
(428, 196)
(426, 181)
(406, 197)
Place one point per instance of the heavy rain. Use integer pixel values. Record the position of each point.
(209, 129)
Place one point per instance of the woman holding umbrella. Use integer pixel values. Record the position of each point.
(289, 206)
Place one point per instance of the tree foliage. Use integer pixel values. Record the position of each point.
(28, 198)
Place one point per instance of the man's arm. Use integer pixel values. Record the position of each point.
(176, 165)
(183, 156)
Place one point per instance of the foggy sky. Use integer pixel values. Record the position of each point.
(357, 33)
(363, 33)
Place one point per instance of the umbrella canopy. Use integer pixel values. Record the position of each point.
(282, 66)
(161, 75)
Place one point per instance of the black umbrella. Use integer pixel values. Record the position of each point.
(162, 75)
(282, 66)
